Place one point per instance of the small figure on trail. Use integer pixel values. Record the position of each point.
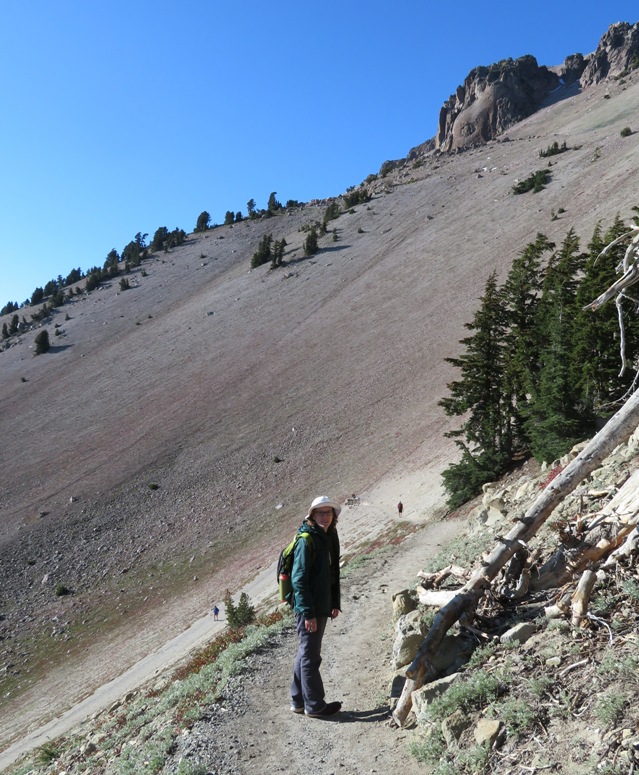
(216, 613)
(400, 508)
(316, 598)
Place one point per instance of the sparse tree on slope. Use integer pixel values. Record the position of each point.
(203, 221)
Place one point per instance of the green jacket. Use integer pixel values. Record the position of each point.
(315, 574)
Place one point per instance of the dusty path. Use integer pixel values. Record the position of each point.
(356, 669)
(362, 628)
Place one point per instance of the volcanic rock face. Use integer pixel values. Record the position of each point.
(496, 97)
(492, 99)
(616, 54)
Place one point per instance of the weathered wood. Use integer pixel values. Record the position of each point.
(629, 546)
(444, 620)
(430, 580)
(563, 564)
(616, 431)
(435, 597)
(581, 597)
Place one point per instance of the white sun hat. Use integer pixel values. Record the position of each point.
(324, 501)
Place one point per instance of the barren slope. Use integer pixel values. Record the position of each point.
(204, 373)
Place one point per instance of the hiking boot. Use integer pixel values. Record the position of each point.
(330, 709)
(297, 710)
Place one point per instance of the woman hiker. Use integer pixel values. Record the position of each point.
(316, 597)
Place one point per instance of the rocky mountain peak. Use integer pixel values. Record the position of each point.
(616, 54)
(492, 99)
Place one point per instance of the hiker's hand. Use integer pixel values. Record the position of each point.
(310, 625)
(334, 613)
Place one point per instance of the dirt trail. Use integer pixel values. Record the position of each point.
(356, 670)
(359, 637)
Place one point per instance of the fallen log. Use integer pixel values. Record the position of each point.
(438, 597)
(581, 597)
(616, 431)
(629, 546)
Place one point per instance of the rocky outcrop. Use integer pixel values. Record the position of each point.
(616, 54)
(492, 99)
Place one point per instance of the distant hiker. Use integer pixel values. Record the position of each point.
(400, 508)
(316, 597)
(216, 613)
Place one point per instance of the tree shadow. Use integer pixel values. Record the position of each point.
(375, 715)
(58, 348)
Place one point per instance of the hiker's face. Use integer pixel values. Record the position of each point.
(323, 517)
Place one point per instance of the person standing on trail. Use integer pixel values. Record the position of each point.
(400, 508)
(316, 598)
(216, 613)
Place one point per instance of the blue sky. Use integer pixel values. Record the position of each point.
(123, 116)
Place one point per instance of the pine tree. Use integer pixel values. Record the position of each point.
(231, 611)
(555, 417)
(263, 252)
(41, 342)
(480, 395)
(521, 292)
(203, 221)
(245, 611)
(310, 243)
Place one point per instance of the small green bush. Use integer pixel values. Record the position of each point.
(626, 131)
(554, 149)
(609, 708)
(534, 182)
(61, 590)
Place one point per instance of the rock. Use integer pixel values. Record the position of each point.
(403, 602)
(430, 691)
(614, 56)
(405, 648)
(454, 726)
(455, 650)
(487, 731)
(519, 633)
(492, 99)
(409, 637)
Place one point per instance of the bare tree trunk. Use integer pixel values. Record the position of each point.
(581, 598)
(616, 431)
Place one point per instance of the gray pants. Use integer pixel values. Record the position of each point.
(307, 689)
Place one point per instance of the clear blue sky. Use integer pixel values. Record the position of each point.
(123, 116)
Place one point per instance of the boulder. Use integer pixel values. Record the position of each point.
(487, 731)
(403, 602)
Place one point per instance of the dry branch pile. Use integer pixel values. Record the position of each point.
(564, 546)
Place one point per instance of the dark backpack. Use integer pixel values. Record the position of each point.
(285, 566)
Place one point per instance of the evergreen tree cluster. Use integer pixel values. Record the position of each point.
(241, 614)
(538, 370)
(269, 251)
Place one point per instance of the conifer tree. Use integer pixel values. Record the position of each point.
(245, 611)
(521, 292)
(480, 395)
(555, 417)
